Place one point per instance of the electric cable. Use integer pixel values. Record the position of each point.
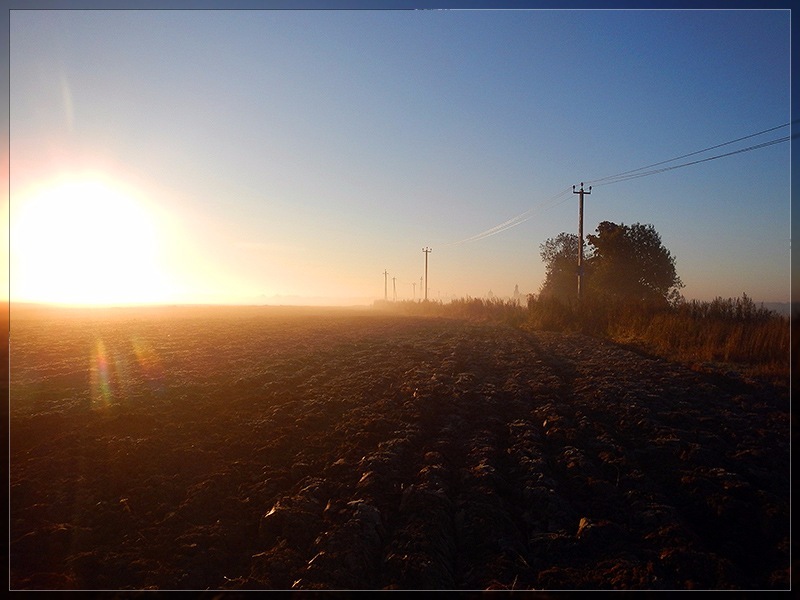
(512, 222)
(620, 178)
(627, 175)
(663, 162)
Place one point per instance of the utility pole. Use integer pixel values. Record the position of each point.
(385, 286)
(426, 250)
(581, 193)
(420, 286)
(394, 289)
(414, 291)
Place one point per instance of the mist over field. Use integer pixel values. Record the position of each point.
(241, 448)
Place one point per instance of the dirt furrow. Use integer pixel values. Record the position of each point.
(368, 451)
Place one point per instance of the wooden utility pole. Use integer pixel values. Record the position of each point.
(414, 291)
(385, 286)
(426, 250)
(581, 192)
(394, 289)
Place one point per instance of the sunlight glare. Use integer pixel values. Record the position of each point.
(84, 241)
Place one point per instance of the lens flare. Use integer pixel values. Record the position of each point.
(115, 378)
(102, 393)
(149, 363)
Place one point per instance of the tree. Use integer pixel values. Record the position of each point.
(630, 264)
(560, 256)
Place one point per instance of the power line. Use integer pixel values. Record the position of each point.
(514, 221)
(663, 162)
(620, 178)
(626, 175)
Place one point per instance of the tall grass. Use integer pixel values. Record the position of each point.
(496, 310)
(733, 331)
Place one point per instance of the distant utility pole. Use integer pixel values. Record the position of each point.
(394, 289)
(413, 290)
(420, 286)
(581, 193)
(426, 250)
(385, 286)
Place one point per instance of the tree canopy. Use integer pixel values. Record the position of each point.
(625, 263)
(560, 256)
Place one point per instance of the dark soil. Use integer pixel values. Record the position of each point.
(289, 449)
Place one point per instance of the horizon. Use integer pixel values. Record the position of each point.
(326, 303)
(216, 158)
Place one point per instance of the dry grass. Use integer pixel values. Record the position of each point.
(755, 343)
(733, 332)
(495, 310)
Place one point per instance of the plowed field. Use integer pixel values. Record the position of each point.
(266, 448)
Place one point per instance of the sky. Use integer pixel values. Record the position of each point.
(288, 156)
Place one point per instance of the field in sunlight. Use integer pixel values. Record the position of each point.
(306, 448)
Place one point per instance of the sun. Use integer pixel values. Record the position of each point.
(86, 241)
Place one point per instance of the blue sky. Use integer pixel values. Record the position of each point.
(302, 153)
